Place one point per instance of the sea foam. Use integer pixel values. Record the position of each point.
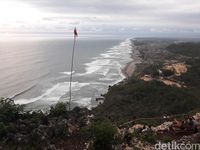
(103, 70)
(53, 94)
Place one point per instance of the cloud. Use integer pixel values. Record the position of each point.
(115, 16)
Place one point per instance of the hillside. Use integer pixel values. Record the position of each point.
(137, 99)
(134, 98)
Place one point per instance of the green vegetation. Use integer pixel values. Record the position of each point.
(9, 111)
(103, 134)
(136, 99)
(192, 77)
(3, 130)
(59, 109)
(186, 49)
(152, 138)
(151, 70)
(35, 130)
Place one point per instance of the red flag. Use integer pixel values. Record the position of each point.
(75, 32)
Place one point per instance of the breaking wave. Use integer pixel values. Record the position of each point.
(103, 70)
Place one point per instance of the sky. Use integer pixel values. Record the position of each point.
(122, 18)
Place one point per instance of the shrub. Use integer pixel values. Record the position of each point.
(188, 49)
(3, 130)
(149, 137)
(103, 133)
(146, 99)
(9, 111)
(61, 131)
(60, 109)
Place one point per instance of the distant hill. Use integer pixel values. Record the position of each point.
(188, 49)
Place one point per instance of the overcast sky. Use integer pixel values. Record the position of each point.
(102, 17)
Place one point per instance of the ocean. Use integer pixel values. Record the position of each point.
(36, 72)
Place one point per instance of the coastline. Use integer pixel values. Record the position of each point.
(133, 56)
(100, 70)
(131, 66)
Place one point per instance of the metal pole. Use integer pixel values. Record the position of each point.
(70, 83)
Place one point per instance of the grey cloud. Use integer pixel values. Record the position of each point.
(91, 6)
(165, 9)
(122, 16)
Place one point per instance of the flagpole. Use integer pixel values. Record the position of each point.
(72, 64)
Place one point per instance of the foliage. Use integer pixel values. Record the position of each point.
(60, 109)
(136, 99)
(192, 77)
(3, 130)
(9, 111)
(188, 49)
(149, 137)
(152, 70)
(103, 134)
(31, 129)
(152, 137)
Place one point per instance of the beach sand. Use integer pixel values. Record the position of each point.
(129, 69)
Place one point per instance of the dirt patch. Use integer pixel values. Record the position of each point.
(147, 78)
(177, 68)
(170, 83)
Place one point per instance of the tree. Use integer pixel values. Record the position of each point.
(60, 109)
(103, 133)
(9, 111)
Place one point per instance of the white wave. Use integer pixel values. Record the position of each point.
(84, 101)
(114, 58)
(107, 70)
(102, 63)
(110, 55)
(67, 73)
(53, 94)
(95, 66)
(104, 71)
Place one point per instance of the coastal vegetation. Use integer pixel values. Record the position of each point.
(134, 98)
(130, 101)
(190, 49)
(102, 131)
(20, 129)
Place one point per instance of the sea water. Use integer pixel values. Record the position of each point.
(36, 72)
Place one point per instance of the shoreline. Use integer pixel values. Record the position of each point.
(131, 66)
(128, 69)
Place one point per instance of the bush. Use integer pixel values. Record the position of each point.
(152, 70)
(149, 137)
(187, 49)
(3, 130)
(9, 111)
(103, 133)
(60, 109)
(61, 132)
(145, 99)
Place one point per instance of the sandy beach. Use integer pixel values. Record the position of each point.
(129, 69)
